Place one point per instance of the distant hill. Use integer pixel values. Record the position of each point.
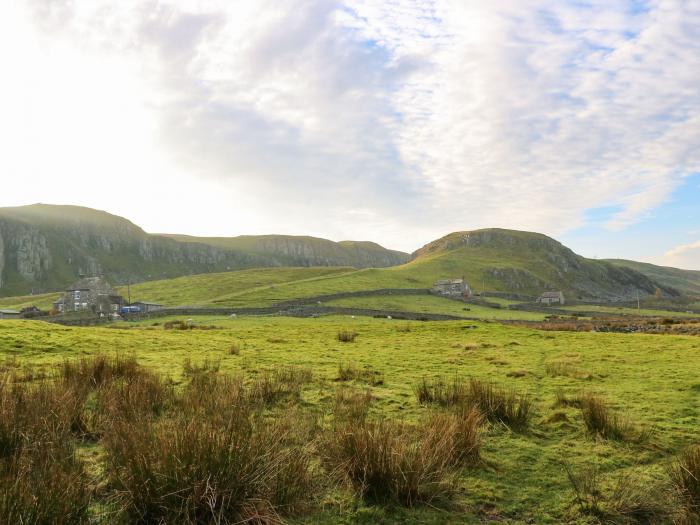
(306, 251)
(528, 263)
(686, 281)
(46, 247)
(493, 260)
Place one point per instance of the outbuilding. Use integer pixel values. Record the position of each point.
(9, 314)
(550, 298)
(146, 307)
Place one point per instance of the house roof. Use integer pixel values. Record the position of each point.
(551, 295)
(449, 281)
(9, 312)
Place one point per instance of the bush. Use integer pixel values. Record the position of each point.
(685, 479)
(346, 336)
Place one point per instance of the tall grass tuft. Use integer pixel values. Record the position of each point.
(40, 479)
(217, 461)
(392, 462)
(91, 372)
(346, 336)
(600, 421)
(685, 480)
(497, 404)
(351, 404)
(352, 372)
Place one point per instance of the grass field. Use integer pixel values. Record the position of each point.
(620, 310)
(434, 304)
(522, 478)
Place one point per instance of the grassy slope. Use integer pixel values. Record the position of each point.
(433, 304)
(211, 289)
(687, 281)
(523, 480)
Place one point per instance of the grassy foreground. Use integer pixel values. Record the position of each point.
(649, 385)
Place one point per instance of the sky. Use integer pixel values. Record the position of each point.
(396, 121)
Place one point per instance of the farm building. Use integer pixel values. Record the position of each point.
(144, 306)
(452, 288)
(549, 298)
(92, 294)
(9, 314)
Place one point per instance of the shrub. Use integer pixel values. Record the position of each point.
(403, 328)
(346, 336)
(685, 480)
(391, 462)
(350, 371)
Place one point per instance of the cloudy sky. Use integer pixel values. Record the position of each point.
(396, 121)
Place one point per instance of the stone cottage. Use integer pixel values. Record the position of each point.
(452, 288)
(549, 298)
(91, 294)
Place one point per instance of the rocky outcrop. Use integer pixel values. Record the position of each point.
(44, 248)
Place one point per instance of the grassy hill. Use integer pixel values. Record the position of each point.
(494, 260)
(686, 281)
(45, 248)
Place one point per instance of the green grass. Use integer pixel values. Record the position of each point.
(621, 310)
(218, 288)
(436, 305)
(521, 480)
(42, 301)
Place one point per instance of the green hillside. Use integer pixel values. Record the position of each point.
(494, 260)
(686, 281)
(44, 248)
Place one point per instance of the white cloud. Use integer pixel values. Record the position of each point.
(391, 120)
(684, 256)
